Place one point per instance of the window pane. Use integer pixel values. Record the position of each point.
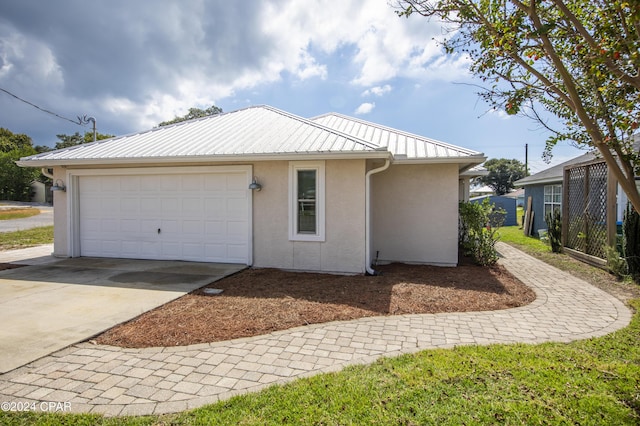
(306, 201)
(306, 184)
(306, 217)
(548, 189)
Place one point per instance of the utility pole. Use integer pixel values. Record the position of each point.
(526, 159)
(87, 120)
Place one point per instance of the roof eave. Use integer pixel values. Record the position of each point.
(204, 159)
(552, 179)
(465, 162)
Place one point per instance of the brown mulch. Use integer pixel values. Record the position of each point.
(4, 266)
(260, 301)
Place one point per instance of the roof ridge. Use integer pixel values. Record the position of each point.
(402, 132)
(308, 121)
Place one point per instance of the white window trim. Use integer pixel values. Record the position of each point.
(294, 167)
(552, 203)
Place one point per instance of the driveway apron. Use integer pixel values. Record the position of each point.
(115, 381)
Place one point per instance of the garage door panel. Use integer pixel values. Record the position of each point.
(236, 251)
(202, 216)
(131, 184)
(191, 183)
(236, 182)
(236, 231)
(149, 206)
(169, 206)
(195, 227)
(214, 228)
(192, 207)
(110, 225)
(215, 183)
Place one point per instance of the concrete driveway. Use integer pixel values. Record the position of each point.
(44, 308)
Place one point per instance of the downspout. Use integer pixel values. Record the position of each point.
(45, 171)
(367, 217)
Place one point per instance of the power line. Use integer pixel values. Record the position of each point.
(79, 122)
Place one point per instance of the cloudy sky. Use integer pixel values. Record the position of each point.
(132, 64)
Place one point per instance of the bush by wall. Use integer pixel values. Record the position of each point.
(631, 241)
(477, 231)
(554, 230)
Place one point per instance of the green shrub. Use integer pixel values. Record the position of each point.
(554, 230)
(616, 264)
(631, 241)
(477, 231)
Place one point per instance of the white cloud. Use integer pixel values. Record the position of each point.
(499, 113)
(386, 46)
(365, 108)
(377, 91)
(139, 65)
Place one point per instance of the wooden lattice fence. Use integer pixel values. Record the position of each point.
(588, 208)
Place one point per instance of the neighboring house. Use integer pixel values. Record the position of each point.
(479, 191)
(517, 195)
(41, 192)
(262, 187)
(545, 190)
(507, 204)
(467, 177)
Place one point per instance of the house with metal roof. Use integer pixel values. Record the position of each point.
(261, 187)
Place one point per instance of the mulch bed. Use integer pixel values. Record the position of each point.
(4, 266)
(260, 301)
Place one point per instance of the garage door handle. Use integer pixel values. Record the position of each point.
(158, 230)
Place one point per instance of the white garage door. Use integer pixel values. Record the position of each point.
(195, 217)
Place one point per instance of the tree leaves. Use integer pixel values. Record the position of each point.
(580, 60)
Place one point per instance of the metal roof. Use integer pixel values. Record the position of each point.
(252, 134)
(404, 146)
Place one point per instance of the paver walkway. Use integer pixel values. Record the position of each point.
(116, 381)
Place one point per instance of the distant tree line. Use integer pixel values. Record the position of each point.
(15, 182)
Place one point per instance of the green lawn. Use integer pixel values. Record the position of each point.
(27, 238)
(18, 213)
(514, 235)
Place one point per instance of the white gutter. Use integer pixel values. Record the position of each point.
(213, 158)
(367, 216)
(45, 171)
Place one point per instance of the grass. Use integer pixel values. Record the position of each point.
(514, 235)
(27, 238)
(589, 382)
(18, 213)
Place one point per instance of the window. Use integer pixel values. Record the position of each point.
(552, 198)
(306, 201)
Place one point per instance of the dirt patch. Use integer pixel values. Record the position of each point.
(260, 301)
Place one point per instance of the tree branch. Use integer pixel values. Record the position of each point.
(611, 65)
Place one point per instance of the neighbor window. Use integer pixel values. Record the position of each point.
(306, 205)
(552, 198)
